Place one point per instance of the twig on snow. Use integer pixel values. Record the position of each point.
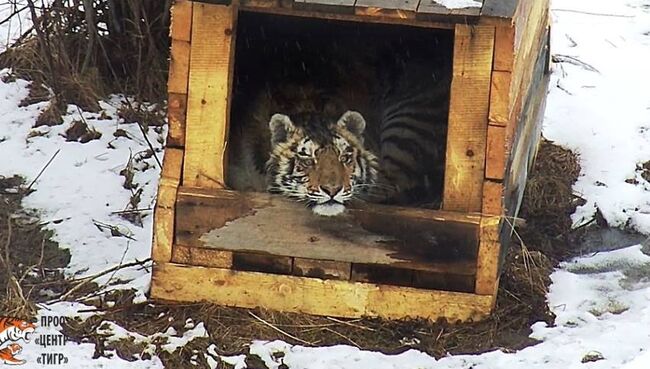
(85, 280)
(42, 170)
(558, 58)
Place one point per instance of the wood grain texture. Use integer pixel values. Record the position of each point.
(408, 5)
(528, 133)
(176, 112)
(487, 274)
(181, 21)
(179, 67)
(325, 6)
(530, 26)
(312, 295)
(501, 98)
(493, 198)
(504, 48)
(272, 225)
(468, 118)
(164, 212)
(496, 155)
(260, 3)
(201, 257)
(208, 107)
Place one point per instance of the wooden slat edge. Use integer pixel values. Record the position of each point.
(468, 118)
(312, 295)
(208, 106)
(496, 154)
(431, 214)
(201, 257)
(487, 266)
(492, 198)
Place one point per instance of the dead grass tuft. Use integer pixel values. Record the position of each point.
(81, 132)
(549, 201)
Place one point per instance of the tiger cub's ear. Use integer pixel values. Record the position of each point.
(353, 121)
(281, 126)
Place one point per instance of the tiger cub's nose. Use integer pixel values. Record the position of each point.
(331, 190)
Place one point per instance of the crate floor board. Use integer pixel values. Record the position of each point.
(270, 225)
(312, 295)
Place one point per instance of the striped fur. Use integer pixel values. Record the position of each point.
(414, 101)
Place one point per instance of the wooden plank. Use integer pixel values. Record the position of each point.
(406, 5)
(495, 162)
(504, 48)
(501, 98)
(266, 224)
(527, 134)
(431, 7)
(260, 3)
(181, 21)
(487, 273)
(176, 111)
(172, 167)
(179, 67)
(493, 198)
(504, 9)
(324, 269)
(528, 37)
(163, 232)
(312, 295)
(201, 257)
(262, 263)
(208, 107)
(348, 16)
(334, 6)
(469, 105)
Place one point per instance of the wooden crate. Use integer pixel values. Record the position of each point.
(214, 244)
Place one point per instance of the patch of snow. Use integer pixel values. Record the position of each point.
(82, 185)
(459, 4)
(599, 107)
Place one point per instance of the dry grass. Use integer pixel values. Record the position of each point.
(549, 201)
(82, 50)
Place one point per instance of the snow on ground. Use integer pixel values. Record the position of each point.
(598, 106)
(601, 109)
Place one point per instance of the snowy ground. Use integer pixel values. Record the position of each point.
(598, 106)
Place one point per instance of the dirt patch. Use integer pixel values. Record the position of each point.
(81, 132)
(29, 263)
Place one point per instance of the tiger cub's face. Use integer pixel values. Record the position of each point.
(322, 163)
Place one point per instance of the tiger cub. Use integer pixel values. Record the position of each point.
(307, 149)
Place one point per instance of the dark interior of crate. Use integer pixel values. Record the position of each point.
(374, 243)
(277, 54)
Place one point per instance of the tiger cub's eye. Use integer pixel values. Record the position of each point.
(346, 158)
(307, 162)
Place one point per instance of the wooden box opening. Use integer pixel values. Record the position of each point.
(377, 243)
